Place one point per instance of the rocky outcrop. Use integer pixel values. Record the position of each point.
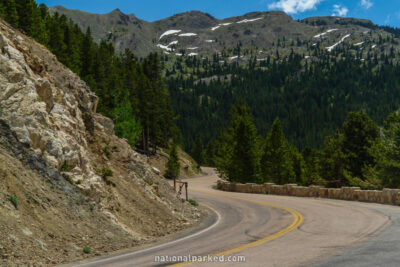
(46, 113)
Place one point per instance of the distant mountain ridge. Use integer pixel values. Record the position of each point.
(198, 33)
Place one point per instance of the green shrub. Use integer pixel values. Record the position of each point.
(193, 202)
(105, 172)
(66, 168)
(69, 180)
(106, 151)
(86, 250)
(14, 201)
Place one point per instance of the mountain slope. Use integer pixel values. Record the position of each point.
(197, 33)
(75, 182)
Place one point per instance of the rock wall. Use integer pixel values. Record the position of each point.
(386, 196)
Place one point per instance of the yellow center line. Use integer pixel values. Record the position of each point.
(297, 221)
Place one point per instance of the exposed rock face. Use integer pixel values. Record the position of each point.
(45, 114)
(53, 147)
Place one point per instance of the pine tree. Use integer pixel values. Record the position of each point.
(87, 55)
(26, 15)
(276, 162)
(173, 165)
(359, 134)
(299, 165)
(11, 14)
(331, 160)
(387, 153)
(244, 162)
(198, 151)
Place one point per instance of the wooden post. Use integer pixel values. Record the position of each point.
(186, 187)
(175, 184)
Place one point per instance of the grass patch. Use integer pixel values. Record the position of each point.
(86, 250)
(193, 202)
(14, 200)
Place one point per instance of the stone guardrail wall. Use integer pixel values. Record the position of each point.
(386, 196)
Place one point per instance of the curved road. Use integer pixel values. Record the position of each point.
(271, 230)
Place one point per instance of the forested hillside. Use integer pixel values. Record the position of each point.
(311, 98)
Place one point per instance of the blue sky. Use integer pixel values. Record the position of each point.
(382, 12)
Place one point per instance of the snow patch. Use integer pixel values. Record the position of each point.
(373, 46)
(169, 32)
(179, 54)
(193, 54)
(173, 43)
(164, 47)
(360, 43)
(232, 58)
(248, 20)
(325, 33)
(307, 57)
(187, 34)
(192, 48)
(167, 47)
(338, 43)
(220, 25)
(209, 41)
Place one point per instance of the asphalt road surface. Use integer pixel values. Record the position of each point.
(266, 230)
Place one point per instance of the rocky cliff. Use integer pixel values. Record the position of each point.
(66, 181)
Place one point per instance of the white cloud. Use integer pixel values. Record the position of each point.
(388, 19)
(340, 11)
(294, 6)
(367, 4)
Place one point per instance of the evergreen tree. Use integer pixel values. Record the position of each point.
(359, 134)
(387, 153)
(27, 15)
(87, 55)
(299, 165)
(244, 163)
(10, 12)
(173, 165)
(198, 151)
(312, 159)
(276, 162)
(331, 160)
